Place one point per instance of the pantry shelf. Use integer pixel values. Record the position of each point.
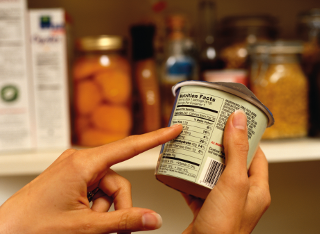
(32, 163)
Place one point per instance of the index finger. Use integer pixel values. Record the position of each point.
(107, 155)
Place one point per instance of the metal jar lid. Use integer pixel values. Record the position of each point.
(236, 89)
(277, 47)
(101, 43)
(249, 21)
(310, 17)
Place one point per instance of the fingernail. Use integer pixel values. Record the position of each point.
(151, 221)
(239, 120)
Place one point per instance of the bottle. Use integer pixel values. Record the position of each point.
(179, 64)
(145, 78)
(207, 40)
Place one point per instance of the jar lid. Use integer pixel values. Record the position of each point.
(142, 41)
(101, 43)
(311, 16)
(249, 21)
(277, 47)
(236, 89)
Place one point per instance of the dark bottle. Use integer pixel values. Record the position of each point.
(145, 79)
(309, 33)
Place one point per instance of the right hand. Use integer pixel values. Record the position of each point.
(240, 198)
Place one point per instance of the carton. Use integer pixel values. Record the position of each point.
(50, 78)
(16, 113)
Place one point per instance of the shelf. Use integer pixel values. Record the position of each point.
(31, 163)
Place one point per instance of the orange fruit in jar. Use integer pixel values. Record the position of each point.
(112, 118)
(85, 67)
(120, 63)
(81, 123)
(87, 97)
(95, 137)
(115, 85)
(88, 66)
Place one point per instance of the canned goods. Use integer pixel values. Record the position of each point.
(193, 162)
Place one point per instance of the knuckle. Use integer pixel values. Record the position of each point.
(126, 182)
(123, 222)
(242, 147)
(132, 139)
(86, 227)
(267, 199)
(76, 161)
(263, 197)
(70, 151)
(241, 183)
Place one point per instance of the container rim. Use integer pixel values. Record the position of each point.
(223, 86)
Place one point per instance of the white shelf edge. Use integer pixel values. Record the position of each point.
(303, 149)
(33, 163)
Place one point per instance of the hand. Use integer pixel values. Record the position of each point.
(240, 198)
(56, 201)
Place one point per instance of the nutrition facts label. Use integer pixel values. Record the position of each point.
(198, 113)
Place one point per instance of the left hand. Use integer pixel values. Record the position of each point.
(56, 201)
(240, 197)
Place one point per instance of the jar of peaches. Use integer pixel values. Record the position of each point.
(101, 91)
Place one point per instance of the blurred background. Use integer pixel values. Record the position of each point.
(97, 71)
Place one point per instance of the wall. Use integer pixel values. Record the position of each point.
(295, 191)
(97, 17)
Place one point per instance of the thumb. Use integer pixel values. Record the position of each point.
(236, 144)
(131, 220)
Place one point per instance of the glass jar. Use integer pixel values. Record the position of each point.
(102, 91)
(309, 32)
(241, 31)
(279, 82)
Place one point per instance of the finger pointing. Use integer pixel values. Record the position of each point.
(105, 156)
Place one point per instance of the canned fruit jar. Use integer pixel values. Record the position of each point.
(102, 91)
(193, 162)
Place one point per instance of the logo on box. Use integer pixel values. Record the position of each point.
(46, 23)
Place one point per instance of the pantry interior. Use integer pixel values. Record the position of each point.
(294, 163)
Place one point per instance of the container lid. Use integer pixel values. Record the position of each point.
(249, 21)
(236, 89)
(101, 43)
(142, 41)
(226, 72)
(310, 17)
(277, 47)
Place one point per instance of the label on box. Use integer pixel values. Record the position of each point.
(50, 79)
(15, 109)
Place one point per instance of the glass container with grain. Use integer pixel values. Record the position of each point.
(279, 82)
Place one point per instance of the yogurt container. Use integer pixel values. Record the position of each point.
(193, 162)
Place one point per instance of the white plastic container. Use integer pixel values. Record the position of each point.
(193, 162)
